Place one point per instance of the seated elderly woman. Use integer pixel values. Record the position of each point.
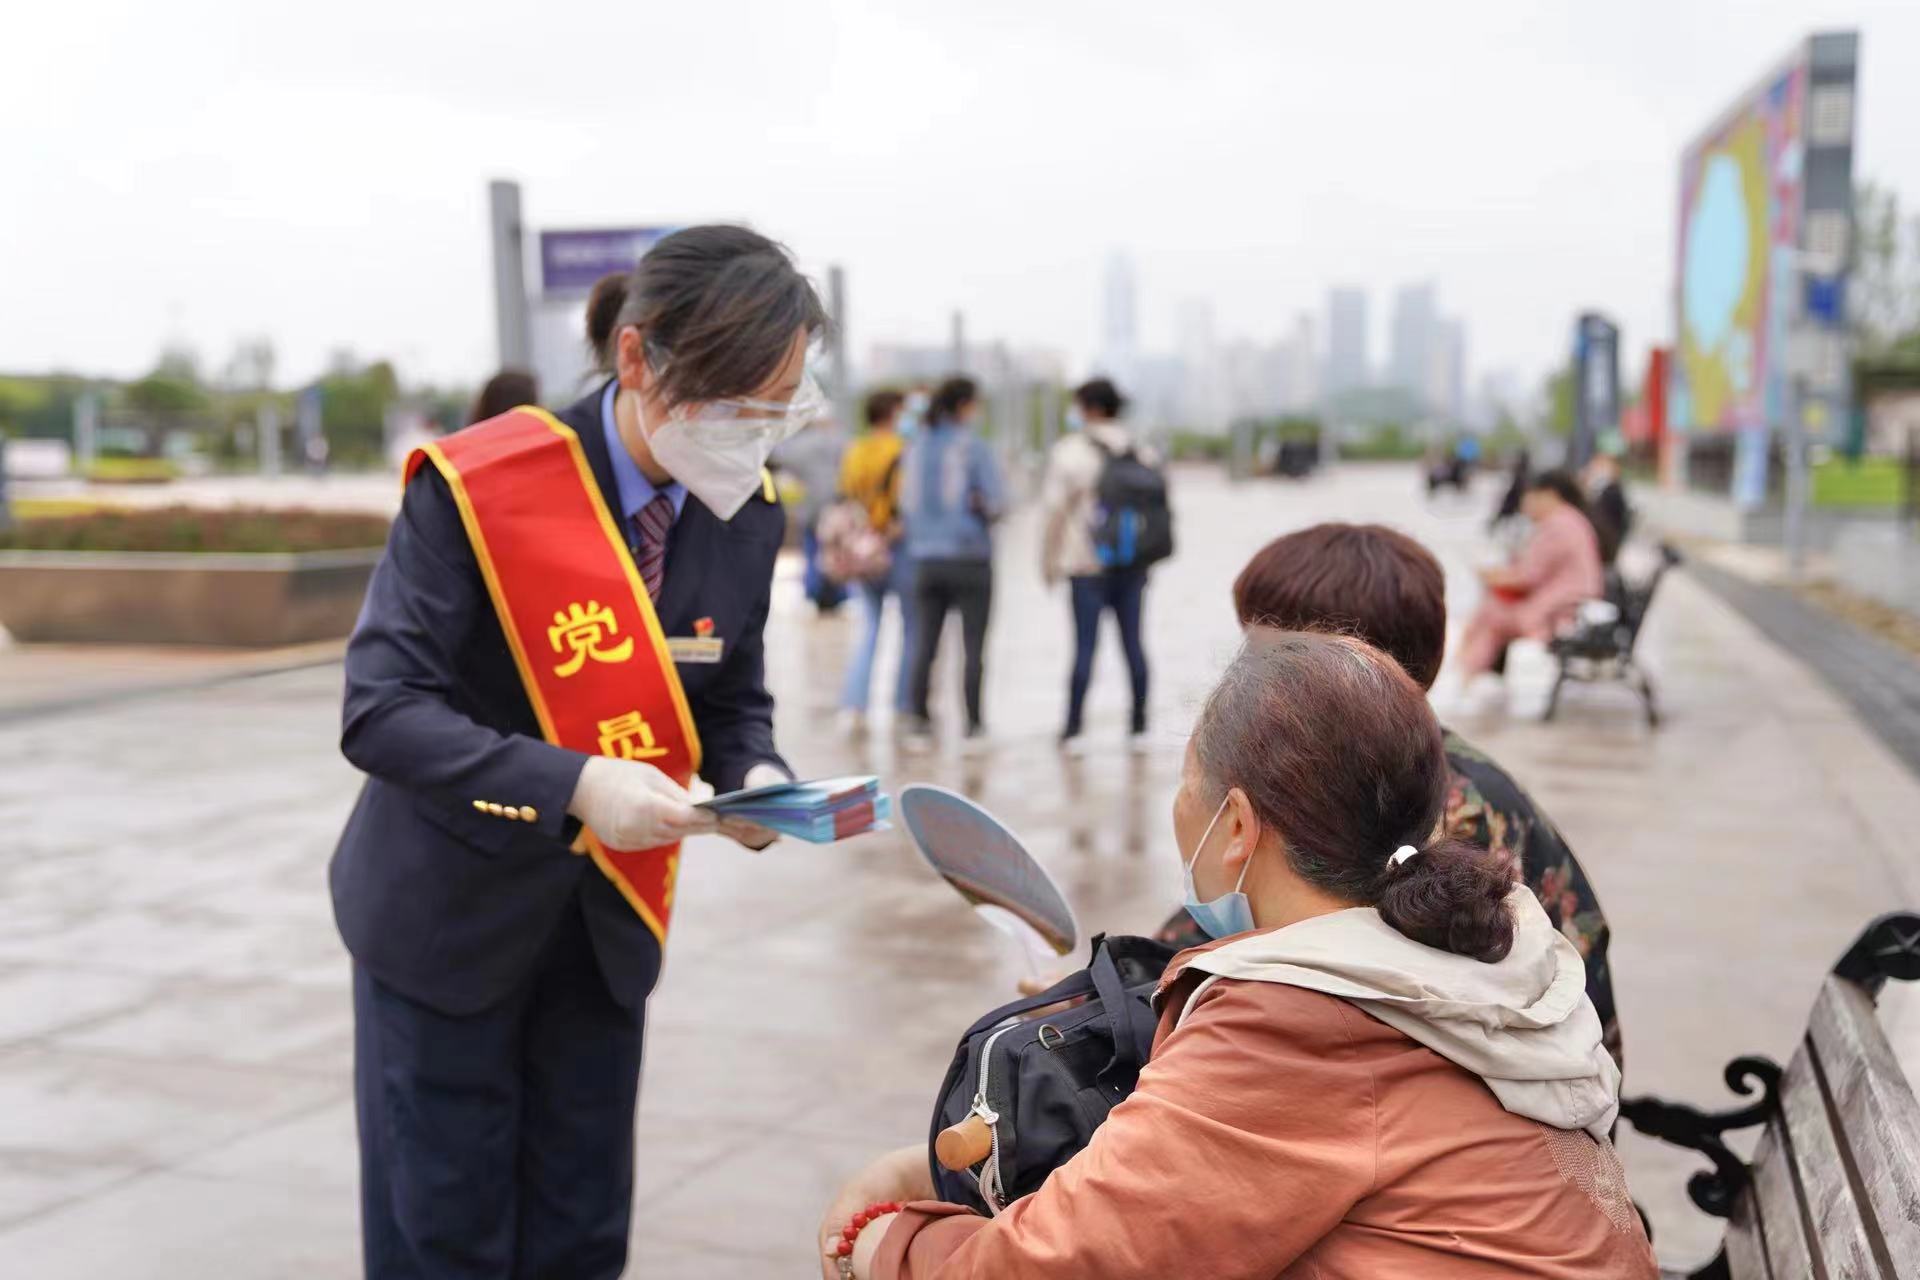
(1557, 568)
(1386, 1066)
(1382, 586)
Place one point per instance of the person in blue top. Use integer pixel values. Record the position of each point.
(951, 494)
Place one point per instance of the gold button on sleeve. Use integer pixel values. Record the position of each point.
(481, 805)
(529, 814)
(496, 810)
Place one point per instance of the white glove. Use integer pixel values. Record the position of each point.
(630, 804)
(751, 835)
(764, 774)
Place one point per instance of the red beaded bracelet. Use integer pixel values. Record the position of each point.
(855, 1225)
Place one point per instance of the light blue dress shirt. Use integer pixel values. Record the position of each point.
(635, 490)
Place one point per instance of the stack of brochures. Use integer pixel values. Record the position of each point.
(822, 810)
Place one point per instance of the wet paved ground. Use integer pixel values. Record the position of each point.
(175, 1034)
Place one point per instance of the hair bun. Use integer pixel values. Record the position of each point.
(1452, 896)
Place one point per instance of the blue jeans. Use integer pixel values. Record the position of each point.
(873, 598)
(1119, 590)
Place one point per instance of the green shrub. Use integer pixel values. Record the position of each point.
(1387, 442)
(194, 529)
(111, 470)
(1198, 446)
(1866, 482)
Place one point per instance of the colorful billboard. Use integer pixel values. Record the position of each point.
(1741, 205)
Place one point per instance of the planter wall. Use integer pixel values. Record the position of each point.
(248, 601)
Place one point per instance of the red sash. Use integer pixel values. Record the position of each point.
(577, 617)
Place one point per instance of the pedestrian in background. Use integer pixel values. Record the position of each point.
(812, 458)
(507, 389)
(870, 478)
(1084, 479)
(951, 495)
(1519, 473)
(1607, 502)
(1557, 568)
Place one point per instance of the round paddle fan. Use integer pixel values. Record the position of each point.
(992, 870)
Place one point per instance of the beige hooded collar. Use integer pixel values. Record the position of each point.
(1524, 1024)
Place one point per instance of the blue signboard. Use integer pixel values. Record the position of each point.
(571, 261)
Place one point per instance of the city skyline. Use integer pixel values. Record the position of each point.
(288, 175)
(1205, 379)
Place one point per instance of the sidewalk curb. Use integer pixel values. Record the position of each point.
(303, 658)
(1880, 682)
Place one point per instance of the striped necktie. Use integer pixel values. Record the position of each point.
(654, 522)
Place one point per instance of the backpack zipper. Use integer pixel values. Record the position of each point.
(989, 1175)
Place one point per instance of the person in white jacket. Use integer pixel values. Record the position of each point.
(1069, 502)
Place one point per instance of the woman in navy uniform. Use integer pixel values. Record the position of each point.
(500, 980)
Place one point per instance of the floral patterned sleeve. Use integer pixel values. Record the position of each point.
(1486, 807)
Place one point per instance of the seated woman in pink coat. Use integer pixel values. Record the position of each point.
(1557, 569)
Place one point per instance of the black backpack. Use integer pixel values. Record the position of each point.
(1132, 523)
(1043, 1084)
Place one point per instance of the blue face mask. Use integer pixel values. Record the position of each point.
(1228, 914)
(913, 415)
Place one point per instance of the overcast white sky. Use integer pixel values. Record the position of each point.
(207, 169)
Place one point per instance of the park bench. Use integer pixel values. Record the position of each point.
(1601, 647)
(1833, 1189)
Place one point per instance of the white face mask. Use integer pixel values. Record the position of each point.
(717, 456)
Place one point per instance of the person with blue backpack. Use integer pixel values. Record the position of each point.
(1106, 522)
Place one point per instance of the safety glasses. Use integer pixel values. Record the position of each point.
(747, 417)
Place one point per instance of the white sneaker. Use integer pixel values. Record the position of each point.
(1073, 746)
(1139, 744)
(916, 736)
(1482, 696)
(975, 743)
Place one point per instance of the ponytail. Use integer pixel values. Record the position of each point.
(604, 304)
(1452, 896)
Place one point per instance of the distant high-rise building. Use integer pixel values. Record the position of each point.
(1502, 394)
(1204, 404)
(1253, 377)
(1413, 340)
(1119, 320)
(1446, 386)
(1302, 362)
(1346, 340)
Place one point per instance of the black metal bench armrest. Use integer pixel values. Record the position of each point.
(1888, 948)
(1683, 1126)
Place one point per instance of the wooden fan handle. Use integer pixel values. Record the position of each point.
(959, 1147)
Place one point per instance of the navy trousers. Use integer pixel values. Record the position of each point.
(499, 1145)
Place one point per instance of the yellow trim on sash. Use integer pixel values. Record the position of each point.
(654, 631)
(478, 541)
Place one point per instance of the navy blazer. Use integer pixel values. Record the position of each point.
(450, 904)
